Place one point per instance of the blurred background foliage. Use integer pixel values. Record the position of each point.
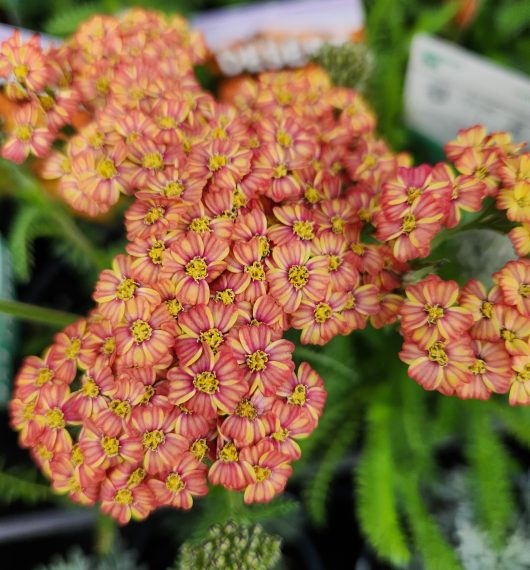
(438, 483)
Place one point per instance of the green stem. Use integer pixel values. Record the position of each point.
(33, 313)
(105, 535)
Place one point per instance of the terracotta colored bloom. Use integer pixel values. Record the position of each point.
(305, 389)
(178, 486)
(161, 445)
(286, 425)
(516, 202)
(471, 138)
(174, 185)
(389, 307)
(294, 275)
(26, 420)
(296, 222)
(118, 289)
(151, 216)
(67, 347)
(149, 255)
(192, 263)
(520, 237)
(267, 311)
(246, 262)
(320, 319)
(29, 135)
(100, 344)
(35, 373)
(271, 468)
(210, 385)
(342, 270)
(481, 165)
(480, 304)
(520, 387)
(266, 362)
(441, 366)
(336, 216)
(514, 282)
(428, 313)
(229, 469)
(514, 330)
(122, 501)
(290, 134)
(148, 159)
(362, 303)
(50, 410)
(147, 336)
(491, 371)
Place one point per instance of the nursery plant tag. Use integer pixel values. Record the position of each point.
(7, 336)
(449, 88)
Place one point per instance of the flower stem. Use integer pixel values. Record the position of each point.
(105, 534)
(33, 313)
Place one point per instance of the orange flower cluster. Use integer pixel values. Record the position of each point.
(276, 208)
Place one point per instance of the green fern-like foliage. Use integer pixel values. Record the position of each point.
(231, 547)
(24, 485)
(66, 22)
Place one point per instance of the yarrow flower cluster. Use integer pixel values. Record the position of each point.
(276, 208)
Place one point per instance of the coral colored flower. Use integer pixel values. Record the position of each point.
(178, 486)
(266, 362)
(155, 427)
(67, 347)
(213, 384)
(514, 330)
(149, 255)
(190, 424)
(35, 373)
(25, 419)
(428, 313)
(342, 270)
(148, 159)
(147, 335)
(491, 371)
(520, 237)
(514, 282)
(367, 258)
(320, 319)
(203, 326)
(389, 307)
(516, 202)
(480, 304)
(520, 386)
(151, 216)
(294, 275)
(267, 311)
(118, 289)
(296, 222)
(440, 366)
(287, 424)
(471, 138)
(482, 166)
(229, 469)
(305, 390)
(174, 185)
(193, 263)
(336, 216)
(246, 262)
(271, 469)
(362, 302)
(50, 411)
(122, 501)
(290, 134)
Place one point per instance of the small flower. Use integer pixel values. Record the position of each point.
(514, 283)
(480, 304)
(229, 469)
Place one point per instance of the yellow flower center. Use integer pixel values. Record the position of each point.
(322, 313)
(257, 361)
(523, 375)
(174, 307)
(358, 248)
(350, 303)
(28, 412)
(298, 396)
(156, 252)
(369, 160)
(226, 296)
(90, 389)
(256, 271)
(508, 335)
(197, 268)
(153, 215)
(409, 223)
(106, 168)
(109, 346)
(524, 289)
(141, 331)
(152, 439)
(121, 408)
(55, 419)
(73, 350)
(437, 354)
(284, 139)
(246, 409)
(153, 161)
(173, 189)
(336, 167)
(364, 215)
(481, 173)
(136, 477)
(23, 133)
(45, 454)
(44, 375)
(279, 171)
(200, 225)
(166, 122)
(304, 229)
(217, 161)
(149, 392)
(284, 97)
(434, 312)
(175, 483)
(228, 453)
(46, 101)
(212, 337)
(478, 367)
(77, 455)
(413, 194)
(123, 497)
(20, 72)
(264, 246)
(280, 435)
(312, 195)
(334, 262)
(96, 140)
(298, 276)
(337, 225)
(239, 198)
(206, 382)
(199, 448)
(261, 473)
(487, 310)
(110, 446)
(102, 85)
(126, 289)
